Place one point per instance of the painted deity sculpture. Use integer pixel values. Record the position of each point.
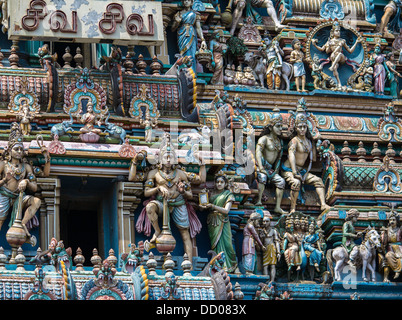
(391, 238)
(300, 148)
(188, 26)
(296, 58)
(321, 79)
(171, 188)
(25, 117)
(392, 9)
(89, 119)
(218, 49)
(380, 69)
(392, 75)
(269, 151)
(148, 125)
(274, 54)
(348, 251)
(250, 237)
(311, 250)
(17, 177)
(241, 4)
(218, 222)
(272, 253)
(334, 48)
(291, 248)
(349, 235)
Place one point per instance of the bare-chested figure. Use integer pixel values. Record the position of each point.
(241, 4)
(167, 182)
(268, 157)
(300, 148)
(17, 176)
(334, 47)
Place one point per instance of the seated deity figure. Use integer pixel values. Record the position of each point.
(169, 183)
(268, 154)
(17, 176)
(300, 149)
(334, 47)
(391, 238)
(89, 121)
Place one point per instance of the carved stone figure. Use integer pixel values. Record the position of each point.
(312, 252)
(296, 58)
(17, 176)
(272, 253)
(334, 48)
(291, 247)
(89, 133)
(268, 155)
(25, 117)
(391, 237)
(114, 130)
(300, 148)
(392, 75)
(393, 8)
(218, 221)
(321, 79)
(250, 237)
(218, 49)
(171, 188)
(65, 127)
(187, 22)
(276, 69)
(148, 124)
(380, 69)
(240, 5)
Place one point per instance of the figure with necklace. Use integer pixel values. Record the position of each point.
(218, 222)
(169, 182)
(268, 154)
(300, 149)
(17, 177)
(391, 238)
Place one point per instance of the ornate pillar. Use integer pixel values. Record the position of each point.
(128, 201)
(50, 210)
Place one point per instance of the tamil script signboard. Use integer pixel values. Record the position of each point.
(120, 22)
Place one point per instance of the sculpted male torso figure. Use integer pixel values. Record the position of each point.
(296, 169)
(268, 156)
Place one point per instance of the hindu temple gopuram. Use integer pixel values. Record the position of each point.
(200, 150)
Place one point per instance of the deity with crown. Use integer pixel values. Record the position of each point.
(171, 187)
(301, 153)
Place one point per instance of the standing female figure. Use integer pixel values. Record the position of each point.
(188, 26)
(218, 222)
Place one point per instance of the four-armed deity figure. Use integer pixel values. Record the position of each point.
(17, 177)
(334, 48)
(168, 183)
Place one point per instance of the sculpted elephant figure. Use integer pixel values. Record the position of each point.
(115, 131)
(63, 128)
